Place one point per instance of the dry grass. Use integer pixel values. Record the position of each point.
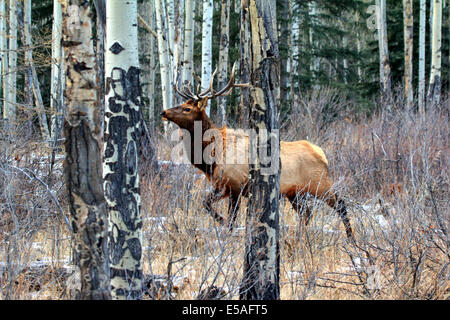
(392, 170)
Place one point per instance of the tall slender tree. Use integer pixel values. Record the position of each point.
(244, 61)
(164, 61)
(188, 53)
(57, 70)
(434, 89)
(385, 69)
(83, 148)
(207, 46)
(422, 32)
(262, 260)
(9, 110)
(285, 32)
(408, 25)
(3, 53)
(121, 166)
(223, 58)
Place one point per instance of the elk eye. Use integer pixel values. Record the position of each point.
(187, 109)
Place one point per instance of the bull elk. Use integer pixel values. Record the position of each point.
(304, 167)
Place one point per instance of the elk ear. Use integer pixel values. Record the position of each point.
(202, 104)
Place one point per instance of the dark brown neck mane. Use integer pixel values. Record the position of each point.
(207, 124)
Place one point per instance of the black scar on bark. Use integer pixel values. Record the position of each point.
(134, 245)
(117, 248)
(116, 48)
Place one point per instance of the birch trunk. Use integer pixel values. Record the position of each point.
(422, 31)
(178, 46)
(385, 69)
(285, 31)
(207, 47)
(262, 259)
(151, 85)
(434, 89)
(3, 56)
(223, 59)
(294, 38)
(170, 10)
(57, 71)
(83, 148)
(315, 60)
(408, 35)
(345, 63)
(163, 51)
(188, 54)
(9, 111)
(244, 63)
(121, 165)
(34, 79)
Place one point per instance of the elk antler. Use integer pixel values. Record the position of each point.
(187, 93)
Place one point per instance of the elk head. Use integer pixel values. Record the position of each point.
(193, 109)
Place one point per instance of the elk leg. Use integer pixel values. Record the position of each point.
(298, 202)
(339, 205)
(233, 208)
(210, 199)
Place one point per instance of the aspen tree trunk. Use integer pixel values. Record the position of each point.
(385, 69)
(100, 7)
(34, 79)
(262, 260)
(170, 10)
(294, 45)
(57, 70)
(285, 31)
(434, 89)
(121, 165)
(223, 59)
(207, 46)
(244, 62)
(83, 148)
(422, 31)
(163, 50)
(188, 54)
(144, 52)
(151, 85)
(178, 46)
(3, 56)
(408, 34)
(345, 45)
(9, 111)
(315, 60)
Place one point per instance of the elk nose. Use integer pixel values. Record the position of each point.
(162, 113)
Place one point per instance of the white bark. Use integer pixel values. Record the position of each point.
(9, 111)
(422, 31)
(294, 49)
(178, 44)
(163, 51)
(436, 54)
(315, 60)
(188, 54)
(57, 69)
(408, 42)
(170, 9)
(2, 47)
(120, 169)
(151, 85)
(207, 46)
(223, 58)
(385, 70)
